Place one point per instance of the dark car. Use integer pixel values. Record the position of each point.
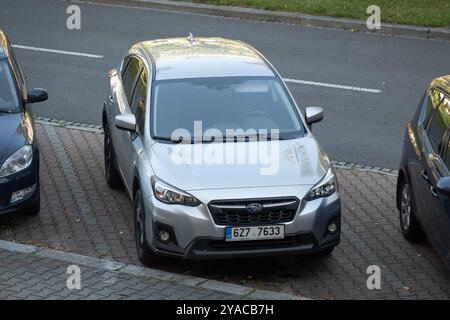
(19, 153)
(423, 188)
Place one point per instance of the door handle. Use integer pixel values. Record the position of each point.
(425, 175)
(111, 99)
(433, 192)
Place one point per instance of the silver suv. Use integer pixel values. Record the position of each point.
(216, 156)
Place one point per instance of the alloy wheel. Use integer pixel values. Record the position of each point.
(107, 155)
(139, 227)
(405, 208)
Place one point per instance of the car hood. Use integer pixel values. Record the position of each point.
(15, 130)
(278, 163)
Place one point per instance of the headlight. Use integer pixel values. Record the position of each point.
(326, 187)
(19, 161)
(171, 195)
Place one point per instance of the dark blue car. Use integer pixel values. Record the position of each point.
(19, 153)
(423, 188)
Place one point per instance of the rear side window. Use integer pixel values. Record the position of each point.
(438, 126)
(139, 100)
(130, 76)
(431, 102)
(9, 101)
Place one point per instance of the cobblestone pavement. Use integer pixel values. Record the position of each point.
(81, 214)
(30, 276)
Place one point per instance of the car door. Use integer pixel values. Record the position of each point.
(445, 205)
(418, 172)
(435, 146)
(122, 98)
(116, 101)
(133, 142)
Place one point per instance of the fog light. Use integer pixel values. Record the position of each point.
(164, 236)
(21, 194)
(332, 227)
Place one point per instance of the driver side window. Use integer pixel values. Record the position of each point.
(138, 103)
(430, 104)
(130, 76)
(438, 126)
(17, 69)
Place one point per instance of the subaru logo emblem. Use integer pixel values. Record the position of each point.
(254, 207)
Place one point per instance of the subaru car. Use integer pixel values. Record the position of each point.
(19, 152)
(423, 187)
(216, 156)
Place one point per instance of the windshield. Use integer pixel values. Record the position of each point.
(8, 94)
(225, 104)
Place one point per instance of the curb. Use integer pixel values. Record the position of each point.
(353, 166)
(69, 125)
(133, 270)
(99, 129)
(285, 17)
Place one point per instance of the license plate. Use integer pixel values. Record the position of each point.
(254, 233)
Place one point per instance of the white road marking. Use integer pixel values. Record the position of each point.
(332, 85)
(297, 81)
(69, 53)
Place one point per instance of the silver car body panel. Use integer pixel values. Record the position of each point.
(190, 223)
(303, 164)
(299, 162)
(205, 57)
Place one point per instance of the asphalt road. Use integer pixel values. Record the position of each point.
(361, 127)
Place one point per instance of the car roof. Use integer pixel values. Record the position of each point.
(178, 58)
(442, 83)
(3, 46)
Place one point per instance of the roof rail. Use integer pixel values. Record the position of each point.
(190, 38)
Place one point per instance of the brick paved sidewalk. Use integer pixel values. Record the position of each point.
(81, 214)
(28, 272)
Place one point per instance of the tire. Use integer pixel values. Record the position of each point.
(409, 225)
(112, 175)
(145, 254)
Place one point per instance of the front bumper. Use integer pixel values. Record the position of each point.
(21, 180)
(195, 235)
(300, 243)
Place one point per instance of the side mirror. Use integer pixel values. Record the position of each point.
(313, 115)
(126, 122)
(443, 186)
(37, 95)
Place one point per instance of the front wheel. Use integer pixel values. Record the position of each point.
(112, 175)
(408, 222)
(145, 254)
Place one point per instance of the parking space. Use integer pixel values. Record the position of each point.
(81, 214)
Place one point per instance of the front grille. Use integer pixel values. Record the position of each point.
(235, 212)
